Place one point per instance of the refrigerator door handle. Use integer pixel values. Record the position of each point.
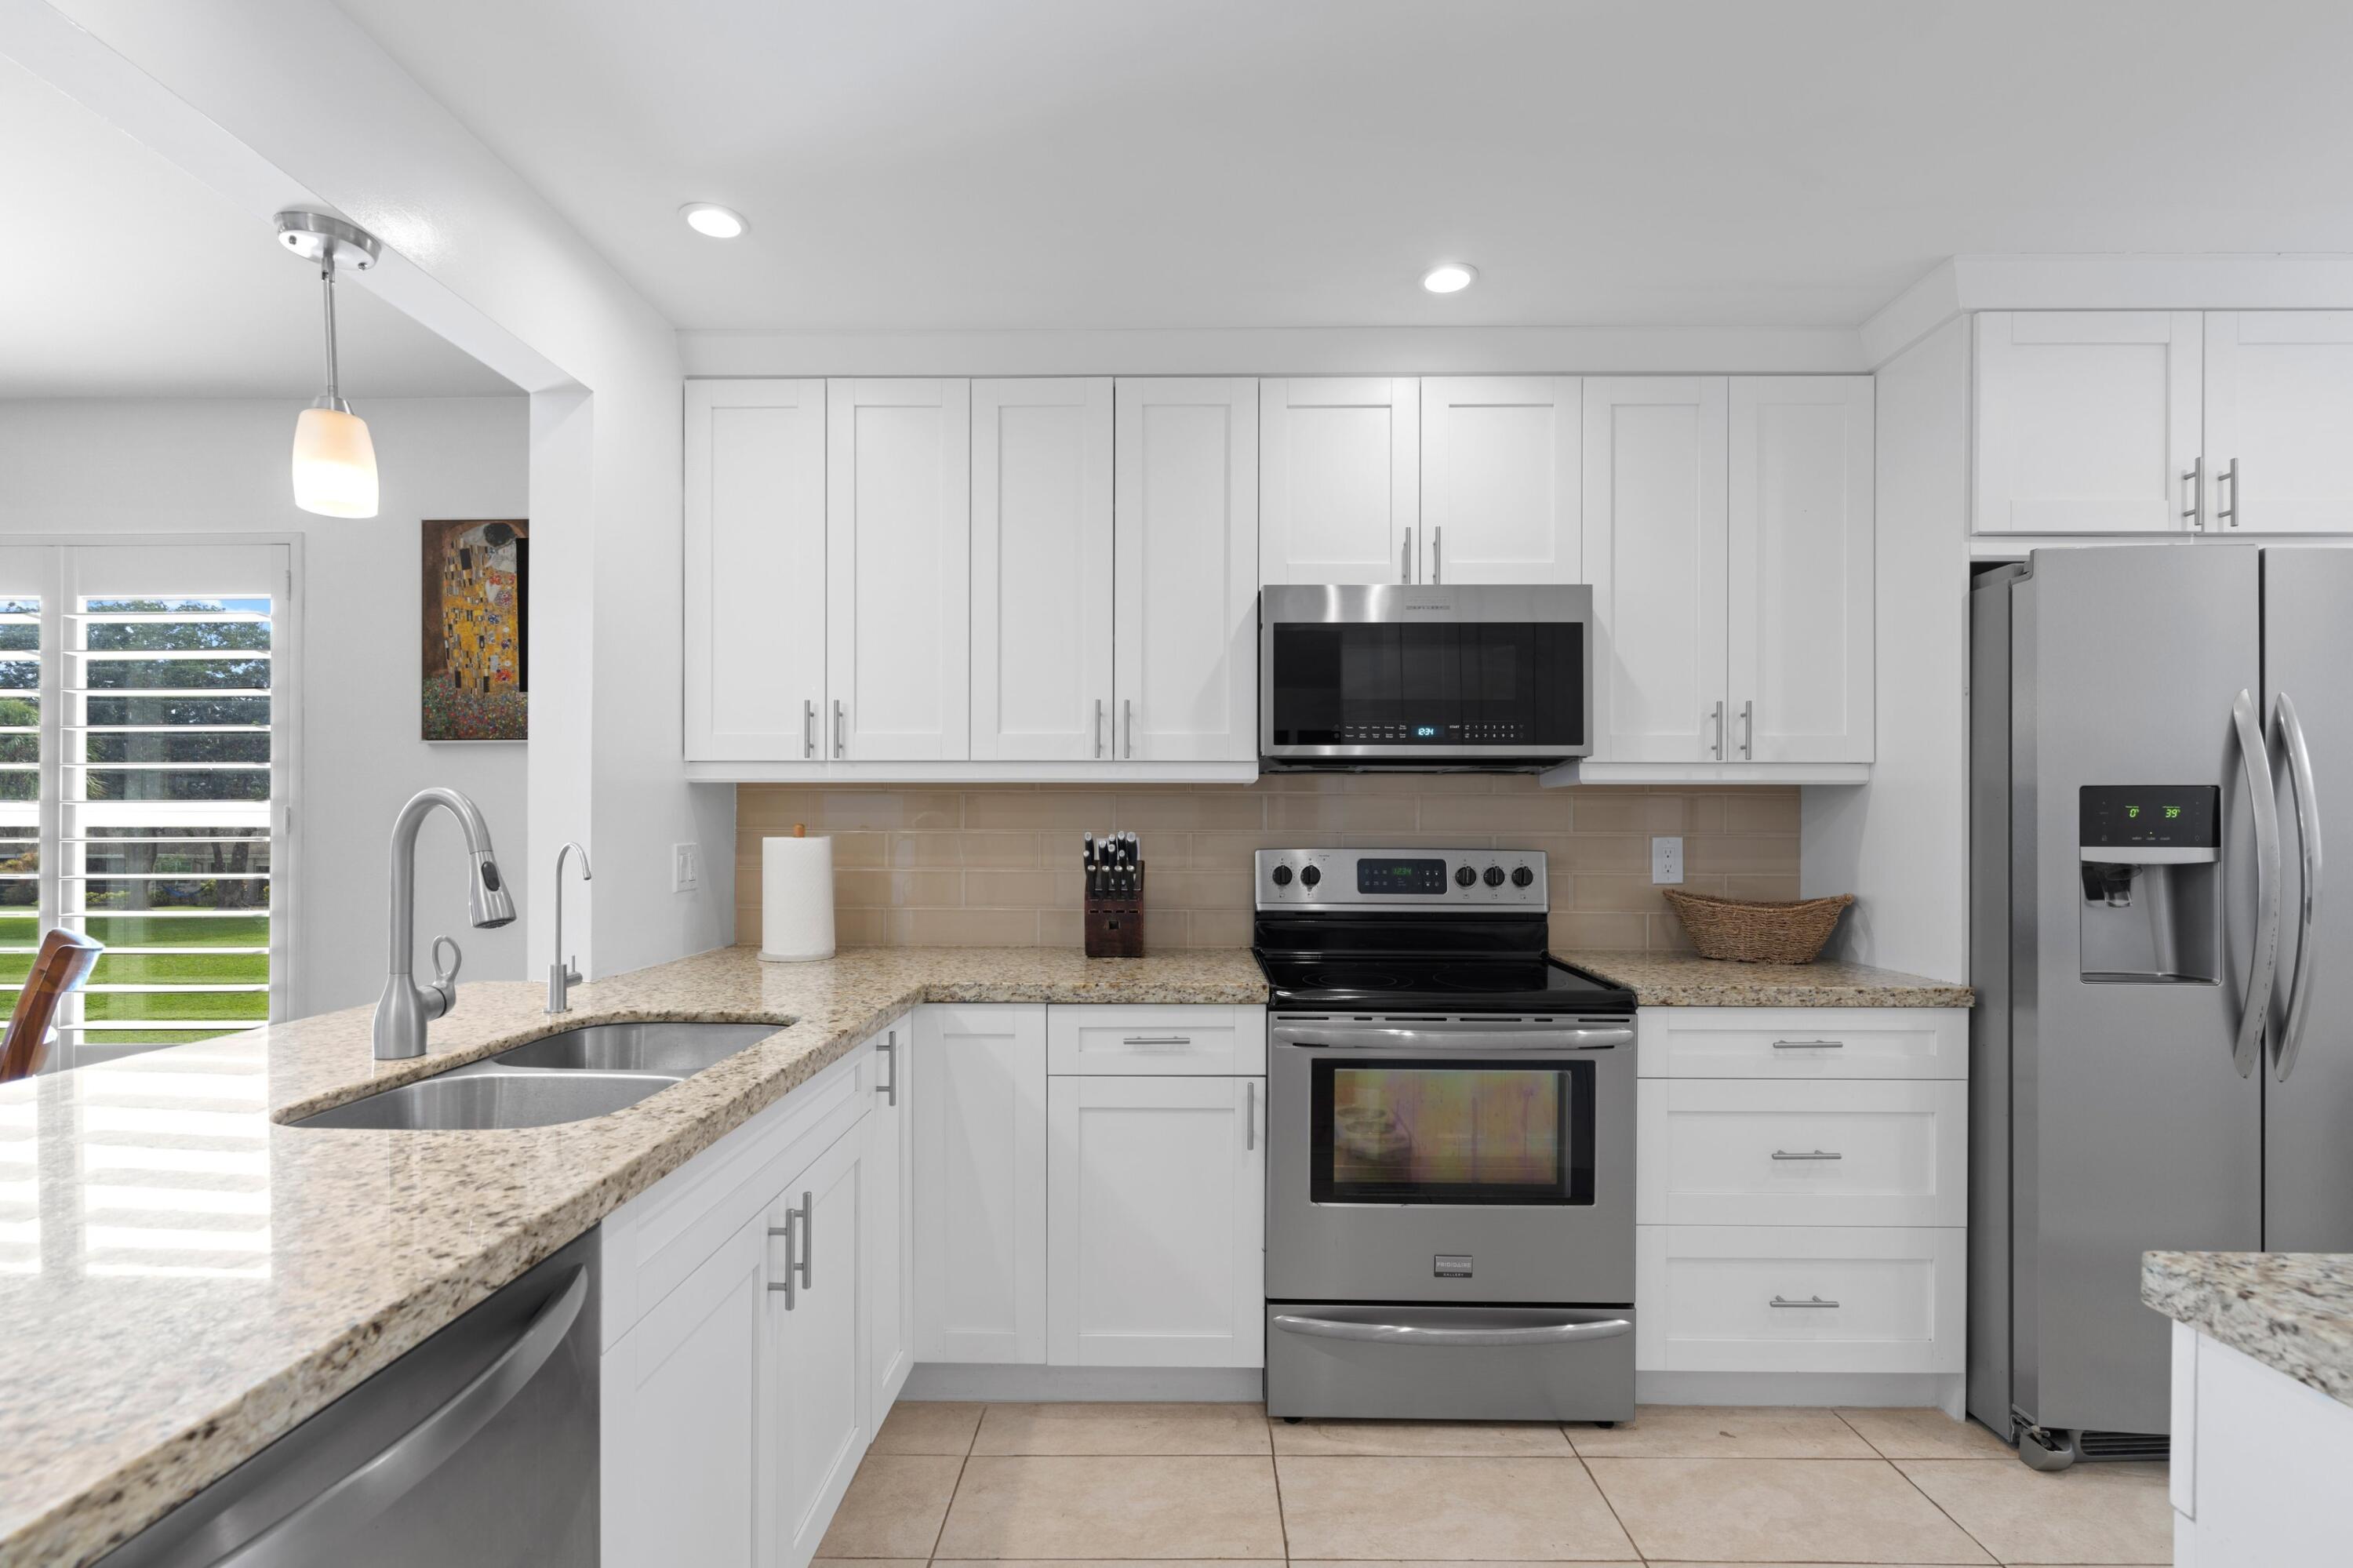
(2290, 1034)
(2262, 961)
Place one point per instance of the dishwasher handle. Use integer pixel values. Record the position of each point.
(1469, 1338)
(308, 1534)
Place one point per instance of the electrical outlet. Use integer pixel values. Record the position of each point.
(686, 868)
(1666, 860)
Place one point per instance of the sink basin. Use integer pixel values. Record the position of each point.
(482, 1097)
(678, 1048)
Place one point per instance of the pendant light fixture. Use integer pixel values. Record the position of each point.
(334, 460)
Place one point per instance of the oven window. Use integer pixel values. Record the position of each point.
(1456, 684)
(1451, 1131)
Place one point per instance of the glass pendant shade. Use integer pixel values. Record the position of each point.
(334, 464)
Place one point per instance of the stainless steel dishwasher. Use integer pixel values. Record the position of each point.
(477, 1450)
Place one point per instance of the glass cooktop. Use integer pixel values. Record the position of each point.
(1452, 984)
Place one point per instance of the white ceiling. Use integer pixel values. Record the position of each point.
(190, 298)
(916, 164)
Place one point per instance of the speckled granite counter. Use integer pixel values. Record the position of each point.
(1683, 980)
(182, 1280)
(2292, 1311)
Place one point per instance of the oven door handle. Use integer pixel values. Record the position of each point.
(1490, 1339)
(1359, 1038)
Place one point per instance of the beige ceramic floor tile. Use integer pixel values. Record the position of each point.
(2086, 1513)
(1711, 1432)
(1451, 1510)
(868, 1561)
(1168, 1505)
(1925, 1433)
(1779, 1510)
(1455, 1439)
(1105, 1562)
(1123, 1429)
(893, 1507)
(927, 1427)
(1440, 1562)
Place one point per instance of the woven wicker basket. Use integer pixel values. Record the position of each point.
(1758, 932)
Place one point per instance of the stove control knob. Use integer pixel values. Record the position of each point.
(1522, 876)
(1465, 876)
(1283, 876)
(1310, 877)
(1494, 877)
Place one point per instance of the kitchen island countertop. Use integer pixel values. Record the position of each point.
(2292, 1311)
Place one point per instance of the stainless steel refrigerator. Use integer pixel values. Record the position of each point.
(2162, 1049)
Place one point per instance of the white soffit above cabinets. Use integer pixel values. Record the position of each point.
(925, 164)
(199, 301)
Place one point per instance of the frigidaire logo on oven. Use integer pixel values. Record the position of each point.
(1451, 1265)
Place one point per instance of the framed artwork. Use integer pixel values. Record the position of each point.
(476, 629)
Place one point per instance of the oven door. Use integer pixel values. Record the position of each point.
(1458, 1161)
(1392, 675)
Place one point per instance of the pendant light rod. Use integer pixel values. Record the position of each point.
(334, 458)
(334, 381)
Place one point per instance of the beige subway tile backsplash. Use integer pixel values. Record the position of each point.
(994, 866)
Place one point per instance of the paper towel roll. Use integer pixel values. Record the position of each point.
(796, 900)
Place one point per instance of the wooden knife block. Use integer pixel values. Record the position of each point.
(1115, 925)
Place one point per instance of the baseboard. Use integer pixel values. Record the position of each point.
(1942, 1390)
(1035, 1385)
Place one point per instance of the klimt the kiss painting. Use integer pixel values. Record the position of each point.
(475, 626)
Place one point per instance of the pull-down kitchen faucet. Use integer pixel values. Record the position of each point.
(406, 1007)
(561, 976)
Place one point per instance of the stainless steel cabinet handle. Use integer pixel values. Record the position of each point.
(2230, 476)
(2195, 512)
(317, 1530)
(1809, 1044)
(1413, 1334)
(1808, 1301)
(2289, 1036)
(1816, 1154)
(809, 728)
(1405, 558)
(2262, 960)
(891, 1054)
(1748, 728)
(1157, 1040)
(836, 726)
(809, 1232)
(1249, 1114)
(1127, 721)
(1719, 732)
(1437, 563)
(786, 1231)
(1098, 730)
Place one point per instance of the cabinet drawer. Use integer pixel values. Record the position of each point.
(1805, 1043)
(1849, 1300)
(1160, 1042)
(1858, 1152)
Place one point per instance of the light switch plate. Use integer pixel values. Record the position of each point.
(686, 867)
(1666, 860)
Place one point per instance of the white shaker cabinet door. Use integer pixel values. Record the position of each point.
(1156, 1190)
(889, 1222)
(2088, 421)
(1801, 638)
(815, 1390)
(1186, 561)
(755, 595)
(1656, 553)
(1500, 489)
(2279, 421)
(898, 511)
(980, 1183)
(1041, 568)
(1339, 479)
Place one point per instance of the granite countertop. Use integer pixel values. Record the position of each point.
(2292, 1311)
(182, 1280)
(1685, 979)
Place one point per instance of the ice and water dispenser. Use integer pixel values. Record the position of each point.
(2152, 886)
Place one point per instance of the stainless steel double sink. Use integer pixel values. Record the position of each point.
(568, 1076)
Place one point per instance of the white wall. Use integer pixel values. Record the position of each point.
(90, 468)
(1900, 843)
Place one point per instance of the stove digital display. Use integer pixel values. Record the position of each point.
(1401, 875)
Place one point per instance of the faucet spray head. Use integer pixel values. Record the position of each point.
(487, 899)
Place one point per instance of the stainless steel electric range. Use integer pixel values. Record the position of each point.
(1450, 1145)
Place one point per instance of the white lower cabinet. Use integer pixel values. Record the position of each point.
(1155, 1229)
(980, 1183)
(1852, 1298)
(888, 1221)
(813, 1388)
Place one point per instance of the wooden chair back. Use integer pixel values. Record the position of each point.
(63, 963)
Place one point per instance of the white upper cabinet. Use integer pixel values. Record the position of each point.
(898, 526)
(2088, 421)
(1801, 643)
(1339, 479)
(755, 500)
(1656, 553)
(1042, 570)
(2279, 421)
(1185, 564)
(1500, 488)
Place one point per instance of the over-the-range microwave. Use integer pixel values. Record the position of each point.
(1424, 676)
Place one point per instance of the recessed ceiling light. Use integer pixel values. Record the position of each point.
(711, 218)
(1449, 277)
